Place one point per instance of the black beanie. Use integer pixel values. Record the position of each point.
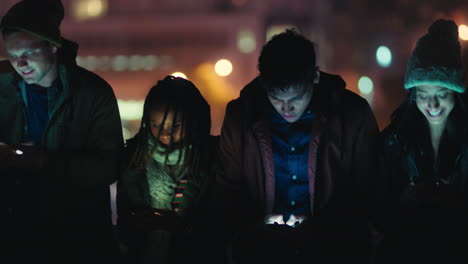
(437, 58)
(41, 18)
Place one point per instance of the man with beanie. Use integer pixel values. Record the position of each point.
(60, 139)
(422, 182)
(298, 153)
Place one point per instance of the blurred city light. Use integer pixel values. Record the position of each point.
(151, 62)
(463, 32)
(277, 29)
(124, 63)
(135, 63)
(179, 74)
(223, 67)
(130, 109)
(384, 56)
(95, 8)
(89, 9)
(365, 85)
(246, 41)
(119, 63)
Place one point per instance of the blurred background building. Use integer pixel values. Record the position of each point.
(216, 43)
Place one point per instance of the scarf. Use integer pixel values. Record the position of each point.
(161, 182)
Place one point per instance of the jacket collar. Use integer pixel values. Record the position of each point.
(327, 95)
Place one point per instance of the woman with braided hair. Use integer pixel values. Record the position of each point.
(168, 170)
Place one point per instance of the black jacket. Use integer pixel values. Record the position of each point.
(422, 216)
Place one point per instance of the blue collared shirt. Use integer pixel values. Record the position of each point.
(290, 142)
(40, 103)
(37, 112)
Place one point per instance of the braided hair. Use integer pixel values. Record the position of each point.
(191, 110)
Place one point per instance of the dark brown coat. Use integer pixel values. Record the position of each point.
(341, 161)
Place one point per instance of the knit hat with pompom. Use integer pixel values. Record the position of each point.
(436, 60)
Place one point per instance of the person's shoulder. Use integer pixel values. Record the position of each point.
(332, 88)
(235, 106)
(389, 137)
(128, 150)
(87, 83)
(80, 74)
(7, 87)
(251, 89)
(6, 72)
(331, 80)
(6, 78)
(5, 67)
(209, 143)
(131, 144)
(251, 100)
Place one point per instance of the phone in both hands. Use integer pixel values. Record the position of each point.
(279, 219)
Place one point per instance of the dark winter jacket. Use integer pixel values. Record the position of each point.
(82, 144)
(422, 218)
(185, 232)
(341, 162)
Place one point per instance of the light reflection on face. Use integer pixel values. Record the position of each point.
(33, 59)
(156, 124)
(292, 102)
(435, 103)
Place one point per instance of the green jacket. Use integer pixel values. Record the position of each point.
(82, 141)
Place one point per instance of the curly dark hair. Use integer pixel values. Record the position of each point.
(288, 59)
(185, 100)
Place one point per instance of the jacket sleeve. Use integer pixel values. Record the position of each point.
(347, 214)
(96, 162)
(364, 159)
(382, 195)
(230, 190)
(230, 150)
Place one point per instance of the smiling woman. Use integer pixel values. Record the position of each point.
(436, 103)
(423, 170)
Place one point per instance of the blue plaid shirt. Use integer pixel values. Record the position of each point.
(290, 142)
(39, 102)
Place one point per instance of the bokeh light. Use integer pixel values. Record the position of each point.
(119, 63)
(246, 42)
(89, 9)
(384, 56)
(365, 85)
(95, 8)
(223, 67)
(179, 74)
(463, 32)
(130, 109)
(277, 29)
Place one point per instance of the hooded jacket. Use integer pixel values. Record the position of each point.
(341, 159)
(82, 144)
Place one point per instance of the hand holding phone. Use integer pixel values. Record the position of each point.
(278, 219)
